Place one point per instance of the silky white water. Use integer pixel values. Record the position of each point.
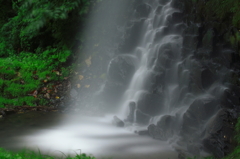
(157, 53)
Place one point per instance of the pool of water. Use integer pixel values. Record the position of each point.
(70, 134)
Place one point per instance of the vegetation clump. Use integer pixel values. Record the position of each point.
(222, 16)
(37, 40)
(28, 154)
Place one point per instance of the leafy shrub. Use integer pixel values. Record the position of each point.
(224, 10)
(28, 154)
(43, 20)
(21, 76)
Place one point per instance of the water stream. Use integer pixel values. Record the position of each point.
(153, 85)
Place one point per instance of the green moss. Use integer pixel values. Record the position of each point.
(28, 154)
(21, 75)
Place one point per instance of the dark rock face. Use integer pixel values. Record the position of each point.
(150, 104)
(167, 124)
(203, 82)
(142, 10)
(220, 134)
(120, 72)
(195, 117)
(209, 121)
(2, 114)
(207, 78)
(142, 132)
(117, 122)
(132, 108)
(230, 99)
(133, 36)
(121, 69)
(156, 132)
(142, 118)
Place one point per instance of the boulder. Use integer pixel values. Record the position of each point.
(166, 123)
(2, 114)
(142, 10)
(207, 78)
(141, 117)
(121, 69)
(198, 112)
(150, 103)
(190, 42)
(228, 98)
(117, 122)
(218, 136)
(142, 132)
(132, 107)
(156, 132)
(133, 37)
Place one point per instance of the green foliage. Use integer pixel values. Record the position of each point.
(28, 154)
(36, 37)
(21, 75)
(43, 20)
(224, 10)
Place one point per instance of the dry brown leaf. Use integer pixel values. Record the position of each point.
(78, 85)
(57, 72)
(18, 74)
(87, 86)
(88, 61)
(81, 77)
(33, 93)
(47, 96)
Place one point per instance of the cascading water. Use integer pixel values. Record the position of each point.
(168, 90)
(158, 56)
(164, 81)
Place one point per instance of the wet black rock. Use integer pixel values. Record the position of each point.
(121, 69)
(141, 117)
(2, 114)
(207, 78)
(117, 122)
(142, 10)
(219, 136)
(229, 99)
(198, 112)
(190, 41)
(142, 132)
(167, 124)
(156, 132)
(132, 107)
(133, 36)
(177, 17)
(150, 104)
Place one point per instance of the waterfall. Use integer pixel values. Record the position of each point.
(159, 83)
(157, 60)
